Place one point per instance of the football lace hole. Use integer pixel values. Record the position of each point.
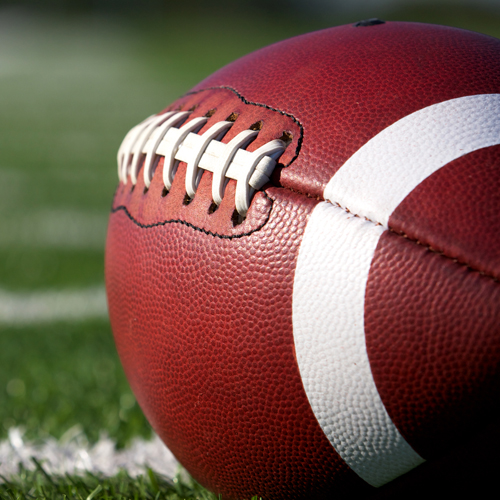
(232, 117)
(187, 199)
(286, 137)
(132, 188)
(164, 192)
(237, 218)
(210, 112)
(256, 126)
(146, 189)
(213, 207)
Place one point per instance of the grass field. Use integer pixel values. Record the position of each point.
(70, 89)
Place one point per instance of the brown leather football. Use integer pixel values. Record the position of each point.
(302, 262)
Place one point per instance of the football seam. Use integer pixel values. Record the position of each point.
(402, 234)
(261, 105)
(345, 209)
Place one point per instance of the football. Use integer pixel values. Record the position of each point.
(302, 263)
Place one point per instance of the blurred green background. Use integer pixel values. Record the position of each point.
(75, 76)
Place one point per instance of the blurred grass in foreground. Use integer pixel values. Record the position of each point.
(71, 87)
(38, 484)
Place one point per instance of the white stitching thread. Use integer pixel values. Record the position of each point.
(159, 135)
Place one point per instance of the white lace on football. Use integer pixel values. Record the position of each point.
(166, 135)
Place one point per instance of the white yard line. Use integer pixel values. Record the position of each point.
(52, 305)
(76, 456)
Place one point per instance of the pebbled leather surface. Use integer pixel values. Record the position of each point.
(432, 336)
(346, 84)
(374, 181)
(201, 308)
(208, 349)
(455, 211)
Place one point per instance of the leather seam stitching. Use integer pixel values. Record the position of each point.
(345, 209)
(192, 226)
(418, 242)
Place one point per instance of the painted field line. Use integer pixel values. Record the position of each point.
(76, 456)
(17, 308)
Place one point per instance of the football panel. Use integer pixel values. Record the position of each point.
(432, 337)
(203, 327)
(455, 211)
(346, 84)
